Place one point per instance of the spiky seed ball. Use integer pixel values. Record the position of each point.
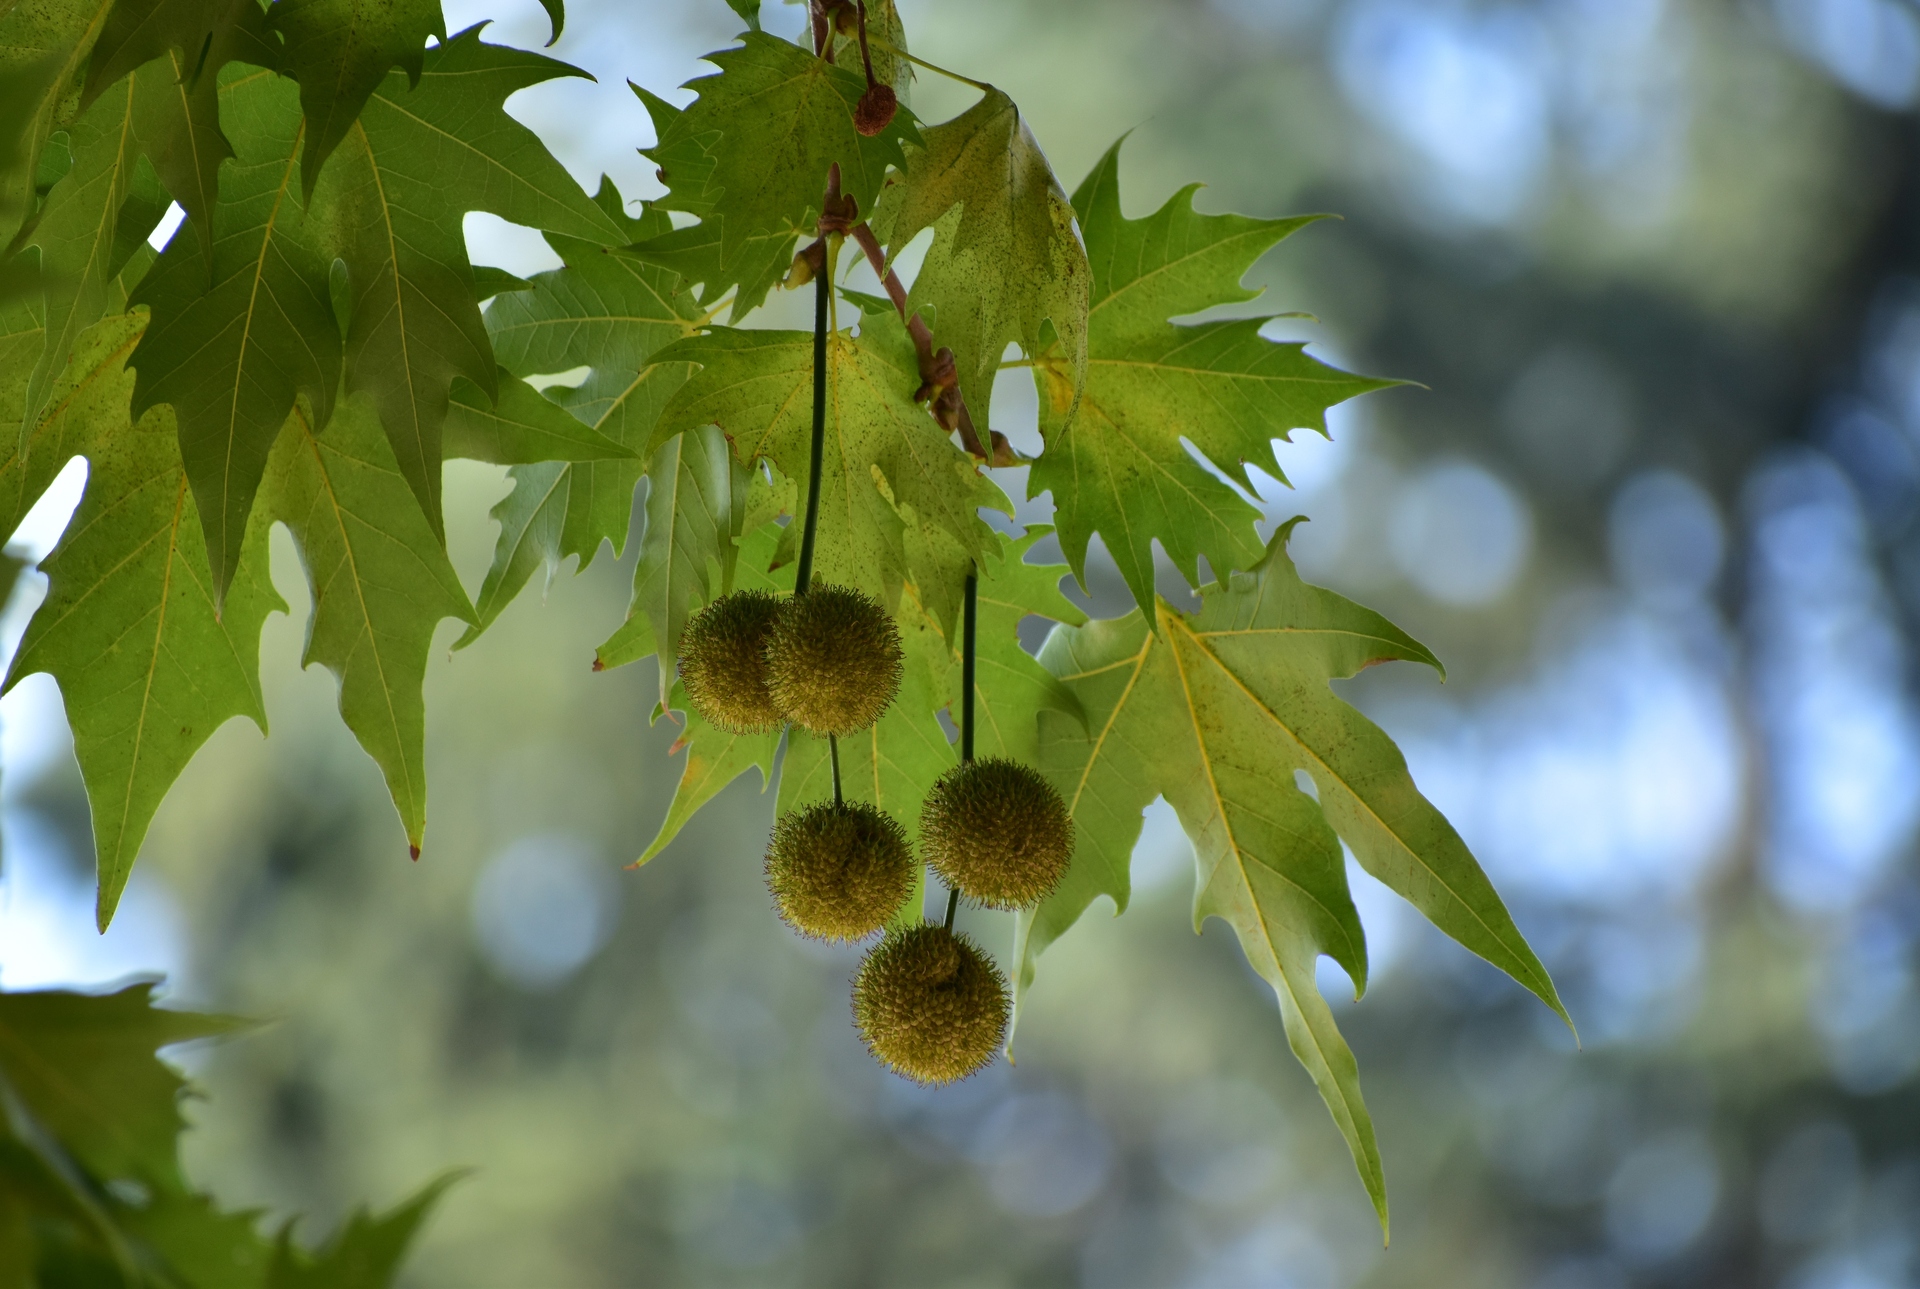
(997, 832)
(838, 872)
(723, 661)
(874, 112)
(930, 1005)
(833, 660)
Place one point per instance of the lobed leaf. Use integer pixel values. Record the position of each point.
(129, 629)
(381, 584)
(1117, 460)
(1006, 260)
(1216, 712)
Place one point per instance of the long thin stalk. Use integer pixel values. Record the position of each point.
(833, 755)
(822, 291)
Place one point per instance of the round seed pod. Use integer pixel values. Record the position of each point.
(996, 831)
(723, 662)
(874, 112)
(833, 660)
(930, 1005)
(838, 872)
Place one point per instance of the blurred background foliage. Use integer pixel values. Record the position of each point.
(1656, 503)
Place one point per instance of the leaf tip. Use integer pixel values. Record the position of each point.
(413, 851)
(599, 663)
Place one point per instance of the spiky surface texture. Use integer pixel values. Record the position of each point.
(834, 660)
(930, 1005)
(996, 831)
(838, 872)
(874, 112)
(723, 661)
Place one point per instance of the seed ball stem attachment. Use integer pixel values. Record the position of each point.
(723, 666)
(834, 660)
(996, 831)
(930, 1005)
(838, 870)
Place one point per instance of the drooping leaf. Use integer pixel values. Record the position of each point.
(881, 448)
(1006, 260)
(772, 121)
(381, 584)
(1116, 459)
(177, 104)
(716, 758)
(340, 51)
(1216, 712)
(533, 525)
(522, 427)
(44, 44)
(610, 314)
(232, 344)
(696, 505)
(392, 202)
(147, 668)
(1012, 687)
(365, 1253)
(76, 232)
(83, 1067)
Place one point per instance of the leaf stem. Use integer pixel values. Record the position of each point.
(932, 67)
(953, 905)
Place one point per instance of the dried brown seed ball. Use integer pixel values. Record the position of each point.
(930, 1005)
(833, 660)
(996, 831)
(838, 872)
(723, 661)
(874, 112)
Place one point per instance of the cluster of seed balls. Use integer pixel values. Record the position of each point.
(930, 1005)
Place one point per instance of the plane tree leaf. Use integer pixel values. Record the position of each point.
(340, 51)
(381, 583)
(84, 1068)
(882, 449)
(233, 342)
(392, 202)
(91, 1190)
(1012, 688)
(696, 504)
(44, 45)
(752, 152)
(610, 314)
(1007, 262)
(521, 427)
(146, 667)
(1116, 456)
(1216, 712)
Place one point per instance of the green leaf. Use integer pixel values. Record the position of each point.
(521, 428)
(1116, 459)
(43, 46)
(881, 448)
(533, 523)
(716, 758)
(749, 11)
(610, 314)
(76, 231)
(393, 201)
(1011, 687)
(232, 344)
(696, 503)
(365, 1253)
(1216, 712)
(693, 252)
(771, 122)
(146, 666)
(889, 68)
(381, 583)
(83, 1067)
(1006, 260)
(339, 51)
